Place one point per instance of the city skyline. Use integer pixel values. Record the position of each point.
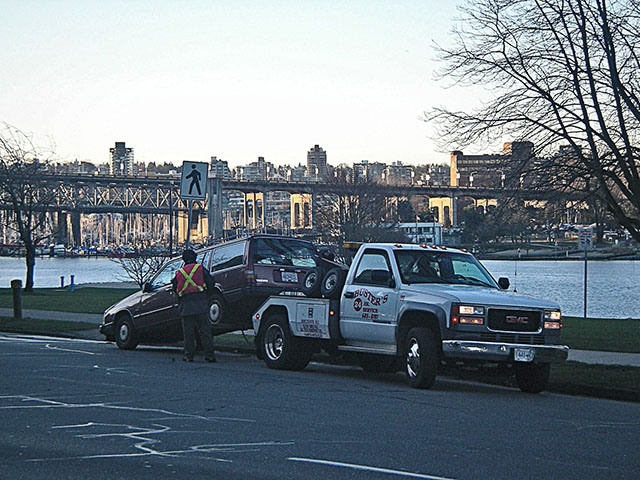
(236, 80)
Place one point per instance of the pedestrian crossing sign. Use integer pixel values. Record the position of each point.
(193, 185)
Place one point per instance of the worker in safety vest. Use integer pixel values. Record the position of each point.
(190, 284)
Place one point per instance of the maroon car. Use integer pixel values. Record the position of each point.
(245, 271)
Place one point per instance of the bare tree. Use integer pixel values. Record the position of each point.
(141, 267)
(357, 211)
(561, 73)
(23, 192)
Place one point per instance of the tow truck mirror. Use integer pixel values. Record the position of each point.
(147, 287)
(504, 283)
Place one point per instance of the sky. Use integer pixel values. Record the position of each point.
(235, 79)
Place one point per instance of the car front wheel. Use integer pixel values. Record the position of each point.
(125, 333)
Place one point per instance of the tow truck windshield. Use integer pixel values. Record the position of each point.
(431, 266)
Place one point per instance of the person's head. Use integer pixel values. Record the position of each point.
(189, 256)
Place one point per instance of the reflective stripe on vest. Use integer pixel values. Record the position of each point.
(191, 281)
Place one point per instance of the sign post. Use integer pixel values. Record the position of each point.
(193, 186)
(585, 242)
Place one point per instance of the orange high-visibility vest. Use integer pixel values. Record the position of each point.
(190, 279)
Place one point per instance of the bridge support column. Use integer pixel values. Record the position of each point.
(215, 228)
(62, 232)
(76, 229)
(454, 210)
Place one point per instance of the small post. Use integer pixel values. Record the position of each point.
(61, 281)
(16, 287)
(71, 284)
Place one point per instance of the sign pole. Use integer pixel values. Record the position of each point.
(189, 224)
(585, 284)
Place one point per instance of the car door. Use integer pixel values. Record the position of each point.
(368, 312)
(158, 314)
(228, 270)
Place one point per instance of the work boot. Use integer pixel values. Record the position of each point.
(210, 359)
(187, 359)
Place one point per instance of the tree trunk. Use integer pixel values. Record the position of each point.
(31, 262)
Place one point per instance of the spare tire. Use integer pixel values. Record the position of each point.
(333, 282)
(311, 283)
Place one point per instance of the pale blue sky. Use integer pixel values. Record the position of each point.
(186, 80)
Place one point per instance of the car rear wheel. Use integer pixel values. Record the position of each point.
(532, 377)
(217, 309)
(421, 357)
(280, 349)
(125, 333)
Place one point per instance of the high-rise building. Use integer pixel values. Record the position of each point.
(316, 163)
(121, 162)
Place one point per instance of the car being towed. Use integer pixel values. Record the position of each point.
(245, 271)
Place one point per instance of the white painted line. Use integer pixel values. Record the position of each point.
(51, 347)
(367, 468)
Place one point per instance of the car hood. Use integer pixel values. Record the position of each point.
(125, 304)
(476, 295)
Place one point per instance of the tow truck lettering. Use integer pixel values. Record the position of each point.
(370, 297)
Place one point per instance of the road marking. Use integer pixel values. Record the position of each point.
(51, 347)
(367, 468)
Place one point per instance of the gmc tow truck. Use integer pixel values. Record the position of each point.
(417, 308)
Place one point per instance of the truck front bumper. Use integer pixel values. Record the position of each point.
(503, 352)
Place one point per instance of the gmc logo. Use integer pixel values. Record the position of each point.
(516, 319)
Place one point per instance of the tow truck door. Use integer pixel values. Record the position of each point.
(368, 306)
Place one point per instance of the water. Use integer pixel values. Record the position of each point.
(613, 286)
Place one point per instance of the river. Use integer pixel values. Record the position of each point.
(613, 286)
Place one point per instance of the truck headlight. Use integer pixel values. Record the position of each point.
(552, 319)
(469, 314)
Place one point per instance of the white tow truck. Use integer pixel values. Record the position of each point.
(415, 307)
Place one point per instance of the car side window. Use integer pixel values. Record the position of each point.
(373, 269)
(227, 256)
(166, 274)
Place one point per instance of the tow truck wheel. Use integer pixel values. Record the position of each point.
(125, 333)
(280, 349)
(422, 357)
(532, 377)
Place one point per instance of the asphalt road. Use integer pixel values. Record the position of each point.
(84, 409)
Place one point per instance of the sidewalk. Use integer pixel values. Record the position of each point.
(591, 357)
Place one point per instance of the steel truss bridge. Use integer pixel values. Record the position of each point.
(106, 194)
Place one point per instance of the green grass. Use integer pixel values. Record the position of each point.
(81, 300)
(32, 325)
(605, 381)
(601, 334)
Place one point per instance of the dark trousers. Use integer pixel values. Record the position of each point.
(200, 324)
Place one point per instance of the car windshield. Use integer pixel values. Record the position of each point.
(282, 251)
(430, 266)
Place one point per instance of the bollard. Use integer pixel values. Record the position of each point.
(16, 287)
(71, 284)
(61, 281)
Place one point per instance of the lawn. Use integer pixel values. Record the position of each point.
(32, 325)
(81, 300)
(601, 334)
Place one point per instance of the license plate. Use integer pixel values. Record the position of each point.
(291, 277)
(523, 355)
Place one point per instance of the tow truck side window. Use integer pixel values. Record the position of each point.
(373, 269)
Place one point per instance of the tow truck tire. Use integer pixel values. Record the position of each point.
(311, 283)
(125, 333)
(378, 363)
(332, 283)
(280, 349)
(421, 354)
(532, 377)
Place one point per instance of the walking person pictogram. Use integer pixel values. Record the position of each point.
(195, 180)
